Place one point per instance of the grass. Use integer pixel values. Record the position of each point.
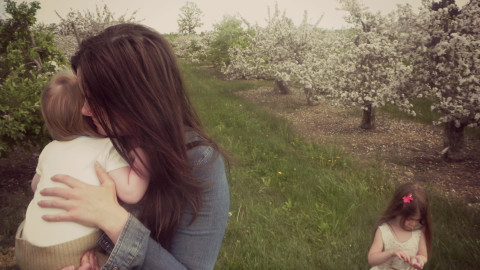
(294, 204)
(298, 205)
(422, 108)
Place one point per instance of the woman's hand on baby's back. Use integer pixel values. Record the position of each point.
(93, 206)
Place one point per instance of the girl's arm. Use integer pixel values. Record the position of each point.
(35, 180)
(422, 254)
(377, 256)
(129, 185)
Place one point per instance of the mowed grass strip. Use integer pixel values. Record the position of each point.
(298, 205)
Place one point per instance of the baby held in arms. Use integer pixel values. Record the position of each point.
(77, 145)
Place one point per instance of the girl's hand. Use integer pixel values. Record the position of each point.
(417, 262)
(88, 262)
(93, 206)
(402, 255)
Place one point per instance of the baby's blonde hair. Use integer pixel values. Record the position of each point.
(61, 105)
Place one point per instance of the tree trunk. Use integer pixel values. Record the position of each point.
(76, 34)
(37, 60)
(281, 87)
(368, 120)
(309, 95)
(454, 141)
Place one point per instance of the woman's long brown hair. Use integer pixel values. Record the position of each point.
(419, 204)
(133, 85)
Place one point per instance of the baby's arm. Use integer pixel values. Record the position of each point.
(377, 255)
(35, 180)
(421, 258)
(131, 186)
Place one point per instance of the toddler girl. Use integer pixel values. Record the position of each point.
(75, 149)
(403, 237)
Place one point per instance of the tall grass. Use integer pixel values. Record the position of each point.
(298, 205)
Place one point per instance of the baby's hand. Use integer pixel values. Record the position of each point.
(416, 262)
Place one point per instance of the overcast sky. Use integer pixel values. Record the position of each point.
(162, 15)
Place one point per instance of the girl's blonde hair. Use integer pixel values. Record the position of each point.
(61, 105)
(419, 204)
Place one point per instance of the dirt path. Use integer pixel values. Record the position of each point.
(410, 150)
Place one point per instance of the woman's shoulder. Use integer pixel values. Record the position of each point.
(200, 150)
(201, 154)
(192, 137)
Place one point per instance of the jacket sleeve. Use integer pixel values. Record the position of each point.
(195, 245)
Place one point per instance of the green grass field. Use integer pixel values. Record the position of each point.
(298, 205)
(294, 204)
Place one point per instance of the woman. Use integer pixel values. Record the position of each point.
(135, 95)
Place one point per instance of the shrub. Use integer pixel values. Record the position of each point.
(28, 57)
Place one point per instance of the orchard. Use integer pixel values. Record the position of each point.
(431, 53)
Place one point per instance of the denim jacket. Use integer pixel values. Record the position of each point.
(196, 245)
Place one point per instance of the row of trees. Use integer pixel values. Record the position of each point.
(433, 52)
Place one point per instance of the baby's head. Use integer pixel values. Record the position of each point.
(61, 104)
(410, 203)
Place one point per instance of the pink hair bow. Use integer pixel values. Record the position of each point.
(407, 199)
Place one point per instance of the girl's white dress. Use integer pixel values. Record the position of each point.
(390, 242)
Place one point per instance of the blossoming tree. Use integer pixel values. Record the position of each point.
(370, 71)
(450, 54)
(274, 53)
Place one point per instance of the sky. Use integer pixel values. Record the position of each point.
(162, 15)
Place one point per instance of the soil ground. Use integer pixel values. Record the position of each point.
(16, 172)
(410, 151)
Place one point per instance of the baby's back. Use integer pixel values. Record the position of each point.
(75, 158)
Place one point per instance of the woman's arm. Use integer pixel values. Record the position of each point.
(196, 245)
(93, 206)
